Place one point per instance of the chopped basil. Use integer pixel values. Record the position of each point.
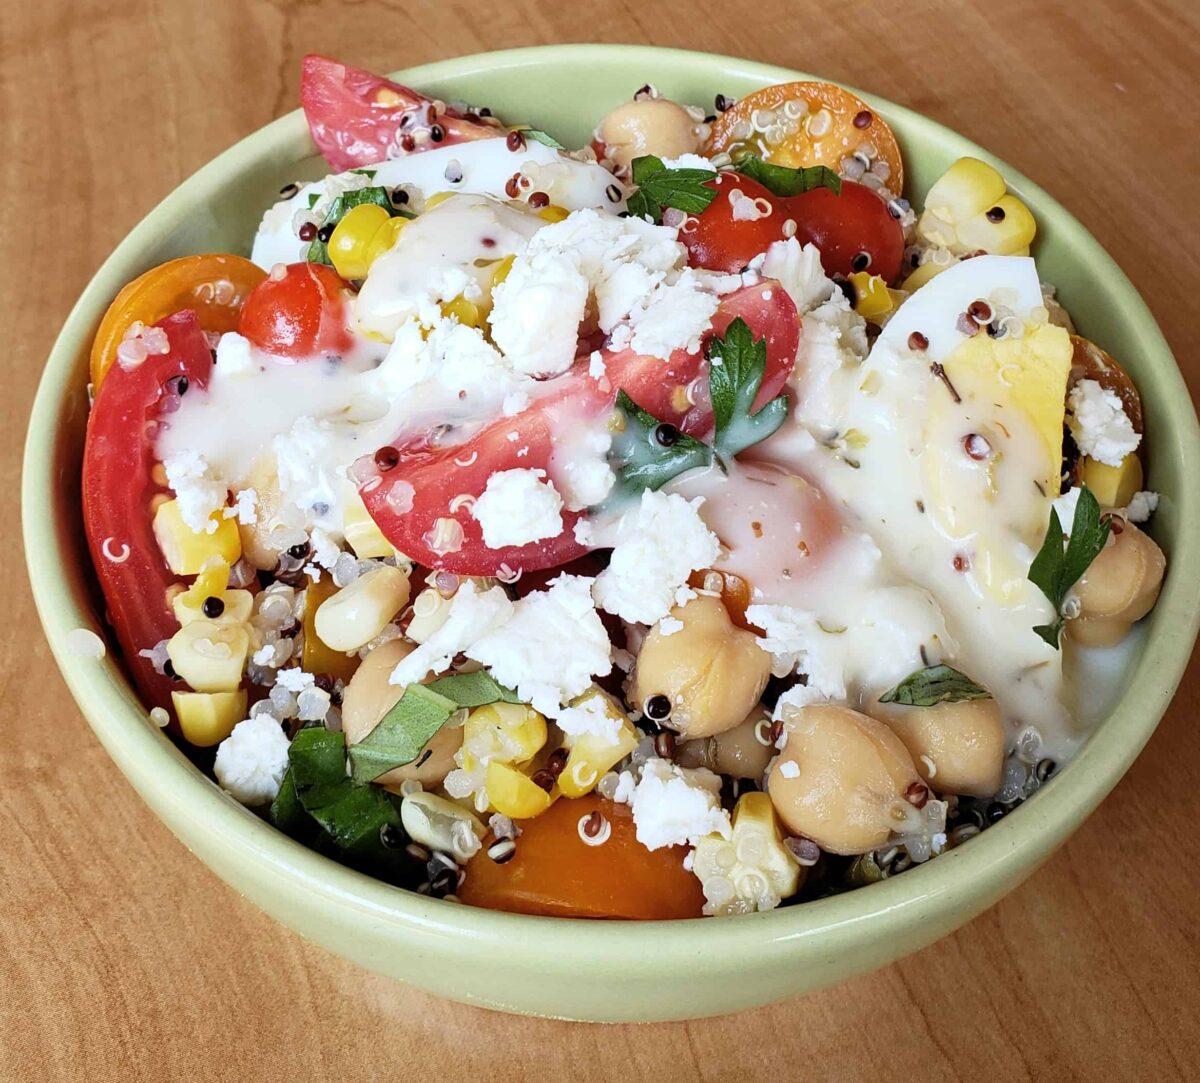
(368, 173)
(476, 689)
(1055, 570)
(318, 250)
(933, 685)
(659, 187)
(647, 453)
(782, 180)
(313, 199)
(735, 373)
(539, 136)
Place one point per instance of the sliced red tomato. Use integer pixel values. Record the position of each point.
(854, 230)
(418, 493)
(298, 315)
(118, 489)
(736, 226)
(357, 118)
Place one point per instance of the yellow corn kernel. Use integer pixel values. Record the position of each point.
(514, 794)
(317, 656)
(207, 718)
(189, 606)
(503, 267)
(553, 213)
(436, 198)
(210, 656)
(968, 209)
(357, 613)
(363, 534)
(872, 299)
(187, 551)
(362, 236)
(753, 870)
(591, 755)
(930, 268)
(1010, 236)
(967, 188)
(466, 312)
(510, 733)
(1113, 486)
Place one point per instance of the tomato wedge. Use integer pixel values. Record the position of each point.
(806, 123)
(214, 287)
(419, 492)
(357, 118)
(118, 488)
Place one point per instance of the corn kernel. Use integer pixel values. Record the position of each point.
(317, 656)
(929, 269)
(591, 755)
(356, 614)
(362, 236)
(436, 198)
(553, 213)
(1113, 486)
(502, 733)
(1010, 236)
(872, 300)
(501, 272)
(210, 656)
(187, 551)
(514, 794)
(968, 209)
(207, 718)
(439, 824)
(967, 188)
(466, 312)
(362, 533)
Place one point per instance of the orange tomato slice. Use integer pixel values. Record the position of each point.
(806, 124)
(555, 873)
(1089, 362)
(212, 286)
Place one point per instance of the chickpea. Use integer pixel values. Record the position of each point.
(265, 538)
(1119, 588)
(839, 778)
(712, 671)
(369, 696)
(956, 747)
(651, 126)
(738, 752)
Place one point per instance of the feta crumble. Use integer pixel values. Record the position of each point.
(1141, 506)
(1099, 424)
(590, 715)
(199, 493)
(661, 543)
(677, 806)
(472, 614)
(235, 355)
(251, 761)
(518, 507)
(294, 680)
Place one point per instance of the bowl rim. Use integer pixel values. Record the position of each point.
(1005, 852)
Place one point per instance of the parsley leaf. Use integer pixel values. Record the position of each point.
(647, 453)
(1055, 570)
(539, 136)
(781, 180)
(318, 250)
(658, 187)
(933, 685)
(417, 716)
(735, 373)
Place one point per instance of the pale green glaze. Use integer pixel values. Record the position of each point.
(555, 967)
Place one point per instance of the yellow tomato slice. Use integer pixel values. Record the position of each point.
(806, 124)
(1089, 362)
(213, 286)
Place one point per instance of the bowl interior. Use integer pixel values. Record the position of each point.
(565, 90)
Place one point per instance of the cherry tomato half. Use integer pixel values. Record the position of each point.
(736, 226)
(214, 287)
(855, 231)
(298, 315)
(799, 124)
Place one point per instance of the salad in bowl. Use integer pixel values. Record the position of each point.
(691, 523)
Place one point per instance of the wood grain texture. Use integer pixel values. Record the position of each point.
(123, 958)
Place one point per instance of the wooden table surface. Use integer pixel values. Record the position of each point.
(122, 957)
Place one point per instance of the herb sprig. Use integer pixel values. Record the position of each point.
(933, 685)
(659, 187)
(647, 452)
(318, 250)
(538, 136)
(782, 180)
(1056, 569)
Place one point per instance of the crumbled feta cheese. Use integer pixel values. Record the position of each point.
(580, 463)
(294, 680)
(514, 403)
(625, 789)
(198, 492)
(472, 615)
(324, 549)
(689, 161)
(235, 355)
(675, 317)
(677, 806)
(1141, 506)
(591, 716)
(596, 366)
(244, 508)
(251, 761)
(308, 471)
(551, 646)
(1098, 421)
(798, 270)
(661, 543)
(668, 626)
(518, 507)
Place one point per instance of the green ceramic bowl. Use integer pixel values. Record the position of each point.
(568, 968)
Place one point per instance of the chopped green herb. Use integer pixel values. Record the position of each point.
(313, 199)
(659, 187)
(647, 453)
(782, 180)
(287, 813)
(933, 685)
(1056, 569)
(476, 689)
(735, 373)
(318, 250)
(539, 136)
(368, 173)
